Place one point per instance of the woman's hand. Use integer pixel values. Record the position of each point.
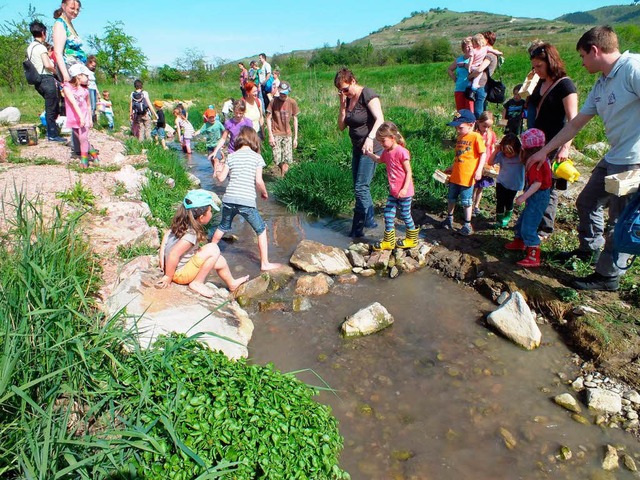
(563, 153)
(368, 146)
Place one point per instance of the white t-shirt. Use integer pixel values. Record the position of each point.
(34, 53)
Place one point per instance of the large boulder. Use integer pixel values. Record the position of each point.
(10, 115)
(603, 400)
(369, 320)
(150, 312)
(314, 257)
(133, 180)
(516, 322)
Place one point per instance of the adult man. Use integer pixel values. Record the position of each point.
(616, 99)
(47, 87)
(264, 74)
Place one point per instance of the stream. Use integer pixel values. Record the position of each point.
(433, 396)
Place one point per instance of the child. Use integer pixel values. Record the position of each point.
(180, 258)
(140, 112)
(514, 112)
(158, 134)
(479, 51)
(106, 107)
(212, 130)
(184, 129)
(484, 127)
(279, 113)
(76, 98)
(232, 128)
(510, 178)
(537, 197)
(244, 168)
(93, 87)
(397, 160)
(227, 109)
(467, 168)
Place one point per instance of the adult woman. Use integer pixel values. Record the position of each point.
(254, 110)
(555, 100)
(67, 44)
(459, 73)
(488, 65)
(360, 110)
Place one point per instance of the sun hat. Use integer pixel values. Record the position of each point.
(210, 112)
(158, 103)
(532, 138)
(284, 88)
(199, 198)
(462, 116)
(78, 69)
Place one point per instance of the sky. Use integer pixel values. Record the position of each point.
(231, 30)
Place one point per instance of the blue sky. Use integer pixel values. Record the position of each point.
(231, 30)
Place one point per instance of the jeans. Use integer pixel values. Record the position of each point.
(464, 193)
(527, 225)
(362, 170)
(250, 214)
(479, 104)
(48, 89)
(93, 98)
(591, 226)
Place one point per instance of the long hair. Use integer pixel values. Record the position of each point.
(186, 219)
(389, 129)
(550, 55)
(57, 13)
(247, 137)
(344, 75)
(510, 144)
(485, 116)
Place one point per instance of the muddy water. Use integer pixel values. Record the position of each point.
(429, 397)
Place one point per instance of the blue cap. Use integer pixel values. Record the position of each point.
(462, 116)
(199, 198)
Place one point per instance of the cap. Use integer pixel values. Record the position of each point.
(532, 138)
(210, 112)
(462, 116)
(158, 103)
(77, 69)
(199, 198)
(284, 88)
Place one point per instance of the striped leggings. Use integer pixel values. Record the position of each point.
(403, 206)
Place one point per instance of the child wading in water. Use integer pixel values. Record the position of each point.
(537, 197)
(244, 168)
(77, 105)
(184, 129)
(397, 160)
(181, 259)
(484, 126)
(510, 178)
(232, 128)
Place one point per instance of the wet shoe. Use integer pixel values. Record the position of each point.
(447, 223)
(591, 256)
(466, 230)
(595, 281)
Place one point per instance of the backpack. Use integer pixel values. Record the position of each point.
(495, 90)
(139, 103)
(30, 72)
(626, 236)
(268, 85)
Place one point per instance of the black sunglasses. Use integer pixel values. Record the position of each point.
(538, 51)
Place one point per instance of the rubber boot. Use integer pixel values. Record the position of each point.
(507, 218)
(357, 226)
(517, 244)
(370, 221)
(84, 161)
(499, 220)
(411, 240)
(93, 155)
(531, 259)
(388, 242)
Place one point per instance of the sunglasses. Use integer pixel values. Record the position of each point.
(538, 51)
(344, 89)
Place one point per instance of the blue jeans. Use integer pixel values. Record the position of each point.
(479, 104)
(362, 170)
(527, 225)
(250, 214)
(464, 193)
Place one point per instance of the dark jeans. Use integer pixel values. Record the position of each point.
(362, 170)
(48, 89)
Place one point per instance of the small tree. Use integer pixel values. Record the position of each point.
(14, 38)
(193, 63)
(116, 52)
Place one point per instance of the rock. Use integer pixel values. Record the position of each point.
(632, 396)
(192, 178)
(315, 257)
(10, 115)
(394, 272)
(409, 265)
(132, 179)
(578, 384)
(514, 320)
(629, 462)
(565, 453)
(368, 272)
(309, 285)
(370, 319)
(610, 461)
(280, 277)
(379, 260)
(253, 288)
(503, 297)
(151, 312)
(356, 258)
(632, 415)
(603, 400)
(588, 384)
(230, 237)
(424, 249)
(361, 248)
(348, 279)
(584, 309)
(567, 401)
(599, 148)
(509, 440)
(580, 419)
(357, 270)
(301, 304)
(271, 305)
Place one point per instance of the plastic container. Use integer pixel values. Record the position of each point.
(24, 135)
(566, 170)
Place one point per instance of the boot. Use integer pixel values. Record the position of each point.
(84, 161)
(357, 227)
(507, 218)
(370, 221)
(93, 155)
(411, 240)
(531, 259)
(499, 220)
(388, 242)
(517, 244)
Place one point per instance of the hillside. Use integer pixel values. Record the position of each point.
(613, 15)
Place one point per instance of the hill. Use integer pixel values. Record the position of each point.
(613, 15)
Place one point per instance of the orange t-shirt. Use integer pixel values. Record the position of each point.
(469, 149)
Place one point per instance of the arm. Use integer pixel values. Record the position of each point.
(451, 71)
(153, 112)
(492, 158)
(131, 107)
(178, 250)
(262, 189)
(483, 66)
(221, 171)
(570, 103)
(483, 159)
(568, 132)
(295, 131)
(272, 141)
(494, 51)
(59, 40)
(220, 144)
(407, 179)
(342, 114)
(533, 188)
(374, 157)
(47, 63)
(376, 110)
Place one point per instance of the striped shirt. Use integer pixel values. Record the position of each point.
(243, 165)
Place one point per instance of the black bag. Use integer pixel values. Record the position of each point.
(495, 90)
(30, 72)
(470, 94)
(139, 103)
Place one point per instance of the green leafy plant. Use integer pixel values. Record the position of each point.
(78, 196)
(127, 253)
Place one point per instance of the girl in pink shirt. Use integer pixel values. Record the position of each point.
(77, 106)
(397, 160)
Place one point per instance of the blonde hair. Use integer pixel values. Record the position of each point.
(186, 219)
(479, 40)
(389, 129)
(485, 116)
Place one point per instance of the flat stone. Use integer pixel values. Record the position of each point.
(356, 258)
(610, 461)
(514, 320)
(368, 272)
(629, 462)
(348, 279)
(253, 288)
(604, 401)
(567, 401)
(632, 396)
(314, 257)
(301, 304)
(280, 277)
(409, 265)
(366, 321)
(312, 285)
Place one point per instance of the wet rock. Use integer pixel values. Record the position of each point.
(230, 237)
(193, 179)
(402, 455)
(503, 297)
(348, 279)
(361, 248)
(253, 288)
(271, 305)
(629, 462)
(379, 260)
(603, 400)
(394, 272)
(632, 415)
(368, 272)
(507, 437)
(10, 115)
(578, 384)
(632, 396)
(357, 270)
(564, 453)
(301, 304)
(356, 258)
(310, 285)
(409, 265)
(610, 461)
(580, 419)
(314, 257)
(369, 320)
(280, 277)
(567, 401)
(515, 321)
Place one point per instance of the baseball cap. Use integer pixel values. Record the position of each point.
(78, 69)
(284, 88)
(210, 112)
(199, 198)
(532, 138)
(158, 104)
(462, 116)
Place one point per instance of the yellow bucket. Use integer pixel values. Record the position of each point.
(566, 170)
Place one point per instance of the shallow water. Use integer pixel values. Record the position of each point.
(426, 398)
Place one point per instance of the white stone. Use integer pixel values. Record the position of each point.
(610, 461)
(603, 400)
(567, 401)
(514, 320)
(632, 396)
(314, 257)
(369, 320)
(10, 115)
(578, 384)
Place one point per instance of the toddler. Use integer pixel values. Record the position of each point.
(212, 130)
(510, 178)
(92, 63)
(513, 112)
(76, 99)
(106, 107)
(158, 133)
(484, 127)
(479, 51)
(184, 128)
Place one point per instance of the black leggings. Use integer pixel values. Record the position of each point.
(504, 199)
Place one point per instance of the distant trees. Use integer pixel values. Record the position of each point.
(116, 52)
(14, 38)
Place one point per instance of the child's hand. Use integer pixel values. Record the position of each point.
(478, 175)
(520, 200)
(164, 282)
(448, 170)
(265, 195)
(402, 193)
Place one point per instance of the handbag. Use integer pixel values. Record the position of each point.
(30, 72)
(495, 89)
(470, 94)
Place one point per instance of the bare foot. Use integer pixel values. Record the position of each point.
(265, 267)
(202, 289)
(237, 282)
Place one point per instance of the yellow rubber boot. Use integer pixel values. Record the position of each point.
(388, 242)
(411, 240)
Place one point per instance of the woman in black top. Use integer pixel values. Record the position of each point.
(360, 110)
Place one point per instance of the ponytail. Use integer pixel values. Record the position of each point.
(57, 13)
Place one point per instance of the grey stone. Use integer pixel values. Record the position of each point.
(10, 115)
(356, 258)
(368, 272)
(603, 400)
(632, 396)
(578, 384)
(253, 288)
(502, 298)
(132, 179)
(311, 285)
(514, 320)
(567, 401)
(590, 384)
(632, 415)
(610, 461)
(370, 319)
(357, 270)
(301, 304)
(348, 279)
(409, 264)
(394, 272)
(361, 248)
(629, 462)
(280, 277)
(314, 257)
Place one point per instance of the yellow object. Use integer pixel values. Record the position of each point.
(566, 170)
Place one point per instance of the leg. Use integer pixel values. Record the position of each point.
(481, 96)
(227, 214)
(530, 217)
(251, 215)
(287, 154)
(390, 213)
(83, 140)
(549, 217)
(362, 170)
(223, 271)
(590, 205)
(278, 154)
(50, 93)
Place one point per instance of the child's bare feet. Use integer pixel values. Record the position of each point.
(265, 267)
(237, 282)
(202, 289)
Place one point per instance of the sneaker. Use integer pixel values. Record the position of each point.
(466, 230)
(590, 256)
(595, 281)
(57, 139)
(475, 212)
(447, 223)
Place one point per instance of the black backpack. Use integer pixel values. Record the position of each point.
(30, 72)
(495, 90)
(139, 103)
